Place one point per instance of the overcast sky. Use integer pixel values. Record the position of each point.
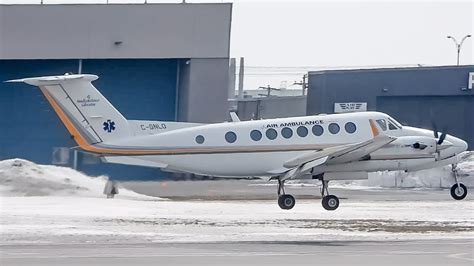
(346, 34)
(343, 33)
(351, 33)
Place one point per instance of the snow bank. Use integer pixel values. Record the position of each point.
(20, 177)
(440, 177)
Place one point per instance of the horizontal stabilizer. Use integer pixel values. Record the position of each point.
(50, 80)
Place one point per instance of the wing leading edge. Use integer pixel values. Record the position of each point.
(338, 154)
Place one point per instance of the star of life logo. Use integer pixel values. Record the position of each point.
(109, 126)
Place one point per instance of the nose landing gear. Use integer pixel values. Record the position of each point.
(458, 190)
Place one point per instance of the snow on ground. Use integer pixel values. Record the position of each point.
(20, 177)
(95, 220)
(50, 204)
(440, 177)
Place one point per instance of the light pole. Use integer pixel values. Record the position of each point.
(458, 45)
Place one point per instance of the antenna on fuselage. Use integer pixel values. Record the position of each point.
(234, 117)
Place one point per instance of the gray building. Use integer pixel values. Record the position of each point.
(154, 62)
(269, 107)
(414, 96)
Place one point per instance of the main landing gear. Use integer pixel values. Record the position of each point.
(329, 202)
(458, 190)
(285, 201)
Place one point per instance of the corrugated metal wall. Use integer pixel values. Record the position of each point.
(451, 113)
(29, 128)
(412, 95)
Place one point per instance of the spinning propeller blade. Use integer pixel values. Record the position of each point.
(441, 138)
(435, 129)
(436, 135)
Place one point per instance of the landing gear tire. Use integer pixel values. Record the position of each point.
(286, 201)
(458, 192)
(330, 202)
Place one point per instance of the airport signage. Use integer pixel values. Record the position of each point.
(350, 107)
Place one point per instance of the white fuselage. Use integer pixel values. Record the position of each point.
(339, 143)
(205, 149)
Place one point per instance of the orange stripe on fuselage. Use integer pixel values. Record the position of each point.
(373, 126)
(82, 142)
(80, 139)
(70, 127)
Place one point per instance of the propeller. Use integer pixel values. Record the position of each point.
(436, 135)
(435, 129)
(441, 138)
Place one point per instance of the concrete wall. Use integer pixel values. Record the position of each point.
(414, 96)
(203, 90)
(171, 64)
(91, 31)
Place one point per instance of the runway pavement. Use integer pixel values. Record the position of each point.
(263, 190)
(377, 227)
(433, 252)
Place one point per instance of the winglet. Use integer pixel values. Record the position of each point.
(373, 127)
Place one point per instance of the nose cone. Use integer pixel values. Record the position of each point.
(458, 144)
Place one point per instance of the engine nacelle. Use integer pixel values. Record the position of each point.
(416, 143)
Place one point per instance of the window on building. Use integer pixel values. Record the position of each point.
(334, 128)
(286, 132)
(350, 127)
(230, 137)
(317, 130)
(199, 139)
(382, 123)
(271, 134)
(256, 135)
(302, 131)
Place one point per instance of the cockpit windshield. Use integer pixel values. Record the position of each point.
(382, 124)
(392, 122)
(388, 123)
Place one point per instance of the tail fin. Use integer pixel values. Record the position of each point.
(85, 112)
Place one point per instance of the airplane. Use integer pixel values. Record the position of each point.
(324, 147)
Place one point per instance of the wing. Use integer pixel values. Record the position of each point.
(337, 154)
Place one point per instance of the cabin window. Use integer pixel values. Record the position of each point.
(317, 130)
(199, 139)
(230, 137)
(256, 135)
(334, 128)
(286, 132)
(271, 134)
(302, 131)
(350, 127)
(382, 123)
